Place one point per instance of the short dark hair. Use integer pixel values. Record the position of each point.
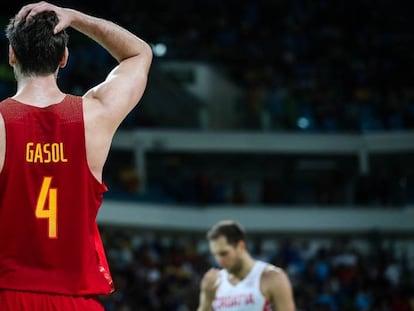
(231, 230)
(38, 50)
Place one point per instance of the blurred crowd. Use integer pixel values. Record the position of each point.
(315, 65)
(162, 271)
(307, 65)
(245, 180)
(321, 66)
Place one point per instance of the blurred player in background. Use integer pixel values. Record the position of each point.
(53, 147)
(243, 283)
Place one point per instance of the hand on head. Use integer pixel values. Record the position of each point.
(28, 11)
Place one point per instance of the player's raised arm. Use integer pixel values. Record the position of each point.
(124, 86)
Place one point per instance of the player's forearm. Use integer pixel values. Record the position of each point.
(205, 302)
(119, 42)
(204, 308)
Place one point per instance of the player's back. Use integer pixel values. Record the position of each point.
(49, 200)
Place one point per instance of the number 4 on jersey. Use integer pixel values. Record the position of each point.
(46, 207)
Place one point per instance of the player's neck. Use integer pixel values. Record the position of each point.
(248, 263)
(38, 90)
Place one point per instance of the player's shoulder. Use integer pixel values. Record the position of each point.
(88, 98)
(271, 269)
(274, 279)
(92, 106)
(272, 273)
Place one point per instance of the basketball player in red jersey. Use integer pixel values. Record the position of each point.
(53, 147)
(244, 284)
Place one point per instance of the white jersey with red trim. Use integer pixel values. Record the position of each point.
(245, 295)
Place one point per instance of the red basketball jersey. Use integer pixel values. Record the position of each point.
(49, 200)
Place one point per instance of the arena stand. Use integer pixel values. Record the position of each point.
(341, 254)
(293, 117)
